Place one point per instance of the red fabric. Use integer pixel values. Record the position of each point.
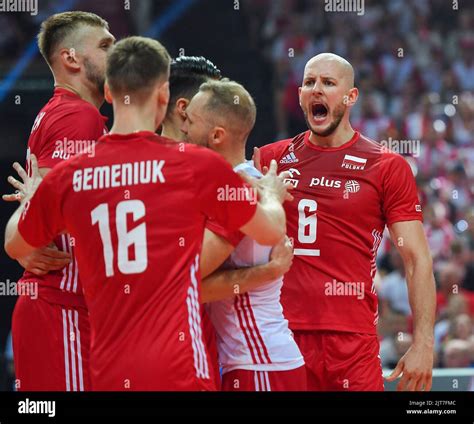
(264, 381)
(138, 241)
(50, 346)
(338, 361)
(233, 237)
(211, 344)
(337, 219)
(65, 121)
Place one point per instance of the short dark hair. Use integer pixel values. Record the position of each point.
(187, 73)
(134, 64)
(57, 27)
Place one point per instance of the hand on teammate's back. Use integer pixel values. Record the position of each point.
(45, 259)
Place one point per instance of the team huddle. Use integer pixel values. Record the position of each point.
(167, 261)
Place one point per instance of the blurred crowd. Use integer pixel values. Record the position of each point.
(414, 66)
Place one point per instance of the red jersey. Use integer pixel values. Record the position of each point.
(65, 126)
(343, 198)
(137, 210)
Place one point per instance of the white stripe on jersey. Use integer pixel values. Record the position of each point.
(76, 273)
(72, 339)
(197, 366)
(267, 381)
(197, 314)
(63, 248)
(69, 267)
(66, 351)
(79, 353)
(194, 320)
(256, 381)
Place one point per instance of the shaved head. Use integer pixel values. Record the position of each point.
(342, 68)
(327, 94)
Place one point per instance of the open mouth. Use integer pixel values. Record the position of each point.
(320, 111)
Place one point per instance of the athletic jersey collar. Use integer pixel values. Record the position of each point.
(130, 136)
(349, 143)
(60, 91)
(249, 168)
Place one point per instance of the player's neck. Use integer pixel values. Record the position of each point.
(128, 120)
(170, 131)
(91, 96)
(234, 158)
(340, 136)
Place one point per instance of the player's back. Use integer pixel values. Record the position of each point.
(63, 125)
(252, 332)
(137, 203)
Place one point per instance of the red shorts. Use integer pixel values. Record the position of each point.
(264, 381)
(339, 361)
(209, 338)
(50, 346)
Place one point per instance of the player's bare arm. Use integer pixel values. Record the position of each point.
(44, 259)
(15, 246)
(224, 284)
(416, 365)
(215, 250)
(268, 225)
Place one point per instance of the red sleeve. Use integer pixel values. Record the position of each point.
(42, 218)
(400, 196)
(70, 131)
(233, 237)
(222, 194)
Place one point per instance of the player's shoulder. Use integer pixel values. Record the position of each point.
(70, 109)
(195, 153)
(276, 149)
(380, 150)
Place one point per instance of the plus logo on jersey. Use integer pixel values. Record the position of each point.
(325, 182)
(353, 163)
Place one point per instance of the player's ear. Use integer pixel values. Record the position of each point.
(107, 93)
(218, 136)
(352, 96)
(164, 93)
(181, 105)
(68, 59)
